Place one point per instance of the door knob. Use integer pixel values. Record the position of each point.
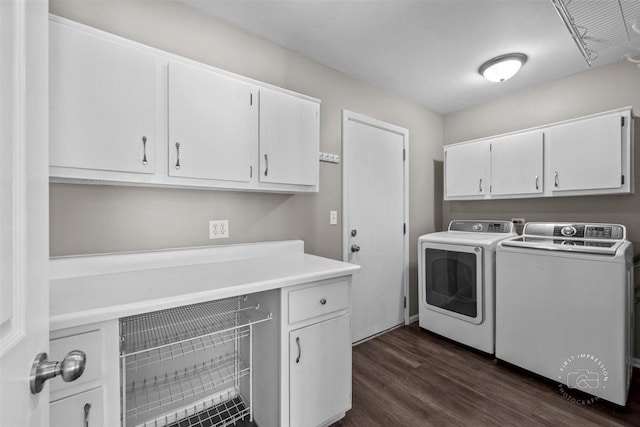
(355, 248)
(354, 232)
(71, 367)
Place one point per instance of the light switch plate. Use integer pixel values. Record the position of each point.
(333, 218)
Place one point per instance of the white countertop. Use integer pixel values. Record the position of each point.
(90, 289)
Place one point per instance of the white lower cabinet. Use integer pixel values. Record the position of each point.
(316, 353)
(320, 372)
(94, 398)
(81, 410)
(220, 359)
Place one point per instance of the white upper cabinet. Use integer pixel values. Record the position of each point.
(213, 124)
(126, 113)
(465, 171)
(102, 102)
(517, 164)
(583, 156)
(289, 139)
(587, 154)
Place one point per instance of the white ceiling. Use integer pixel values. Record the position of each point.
(428, 51)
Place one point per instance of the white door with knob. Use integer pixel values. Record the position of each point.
(375, 226)
(24, 208)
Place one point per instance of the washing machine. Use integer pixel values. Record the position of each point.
(456, 273)
(564, 306)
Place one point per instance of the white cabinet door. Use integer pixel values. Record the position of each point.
(516, 164)
(214, 119)
(289, 139)
(465, 170)
(586, 154)
(102, 103)
(80, 410)
(320, 372)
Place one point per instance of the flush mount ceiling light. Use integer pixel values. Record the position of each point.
(502, 67)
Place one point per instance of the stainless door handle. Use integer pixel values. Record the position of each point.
(555, 178)
(87, 408)
(177, 155)
(355, 248)
(480, 185)
(537, 185)
(71, 367)
(266, 162)
(144, 150)
(299, 350)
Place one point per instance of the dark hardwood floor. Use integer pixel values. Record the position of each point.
(410, 377)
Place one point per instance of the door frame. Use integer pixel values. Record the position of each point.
(350, 116)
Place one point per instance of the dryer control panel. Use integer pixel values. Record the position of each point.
(481, 226)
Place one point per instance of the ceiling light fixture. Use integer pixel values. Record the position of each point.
(502, 67)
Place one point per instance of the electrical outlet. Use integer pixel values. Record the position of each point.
(218, 229)
(333, 217)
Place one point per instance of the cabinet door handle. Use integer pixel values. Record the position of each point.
(555, 178)
(144, 150)
(323, 301)
(299, 350)
(537, 185)
(87, 408)
(480, 185)
(178, 155)
(266, 162)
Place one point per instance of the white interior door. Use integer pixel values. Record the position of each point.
(24, 212)
(375, 206)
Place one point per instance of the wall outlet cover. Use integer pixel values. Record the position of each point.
(218, 229)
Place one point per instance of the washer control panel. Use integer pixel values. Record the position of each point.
(576, 231)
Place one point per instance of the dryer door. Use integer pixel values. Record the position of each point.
(453, 280)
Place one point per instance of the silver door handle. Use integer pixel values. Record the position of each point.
(323, 301)
(555, 178)
(299, 350)
(480, 185)
(87, 408)
(144, 150)
(537, 185)
(266, 162)
(355, 248)
(71, 367)
(177, 155)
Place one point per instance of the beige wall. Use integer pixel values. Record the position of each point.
(593, 91)
(95, 219)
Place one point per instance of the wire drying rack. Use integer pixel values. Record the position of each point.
(183, 365)
(596, 25)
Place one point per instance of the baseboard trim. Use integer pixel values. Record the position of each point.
(415, 318)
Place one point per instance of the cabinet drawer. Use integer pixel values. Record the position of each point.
(318, 300)
(70, 412)
(91, 344)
